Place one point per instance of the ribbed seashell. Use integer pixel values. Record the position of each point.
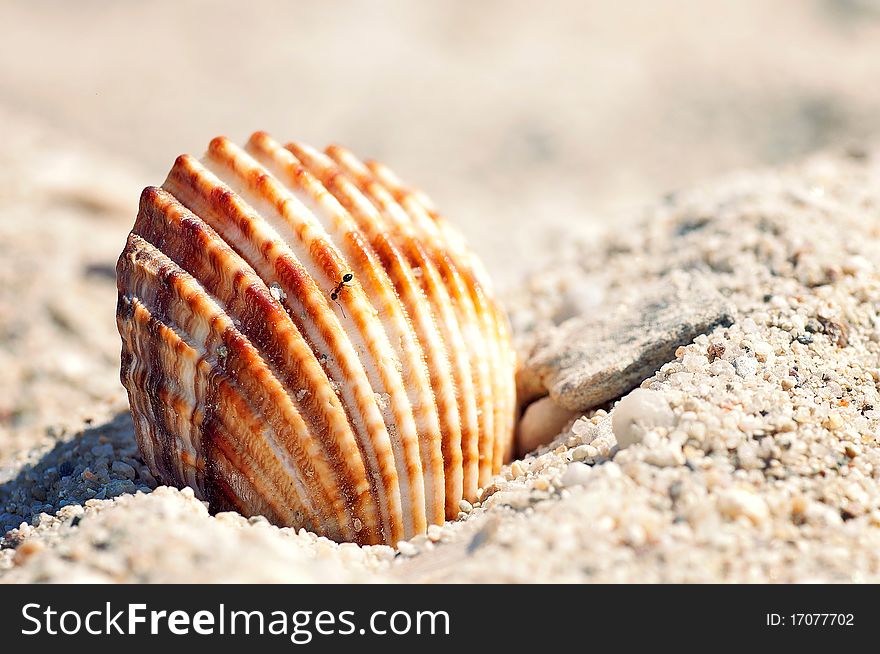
(363, 411)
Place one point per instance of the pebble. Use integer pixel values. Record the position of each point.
(665, 456)
(103, 450)
(745, 366)
(735, 503)
(640, 410)
(123, 469)
(763, 351)
(146, 476)
(120, 486)
(833, 421)
(576, 474)
(407, 549)
(277, 292)
(26, 550)
(517, 469)
(542, 421)
(590, 360)
(582, 452)
(581, 427)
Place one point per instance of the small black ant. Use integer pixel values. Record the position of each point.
(346, 278)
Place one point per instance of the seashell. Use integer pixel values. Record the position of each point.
(305, 338)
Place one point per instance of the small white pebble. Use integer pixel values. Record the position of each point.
(665, 456)
(582, 452)
(833, 421)
(407, 549)
(745, 366)
(576, 474)
(694, 362)
(465, 506)
(644, 408)
(517, 469)
(737, 502)
(721, 368)
(581, 426)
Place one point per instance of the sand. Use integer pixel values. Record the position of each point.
(761, 463)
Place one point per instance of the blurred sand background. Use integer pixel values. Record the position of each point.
(518, 118)
(524, 122)
(527, 123)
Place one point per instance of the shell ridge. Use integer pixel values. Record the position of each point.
(382, 366)
(457, 263)
(439, 331)
(481, 351)
(224, 308)
(140, 373)
(239, 295)
(156, 326)
(231, 216)
(462, 351)
(396, 319)
(477, 281)
(165, 320)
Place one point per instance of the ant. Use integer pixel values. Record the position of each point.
(346, 278)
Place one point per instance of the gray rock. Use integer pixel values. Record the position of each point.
(105, 450)
(120, 486)
(123, 470)
(146, 477)
(590, 360)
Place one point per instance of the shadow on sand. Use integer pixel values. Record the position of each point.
(99, 462)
